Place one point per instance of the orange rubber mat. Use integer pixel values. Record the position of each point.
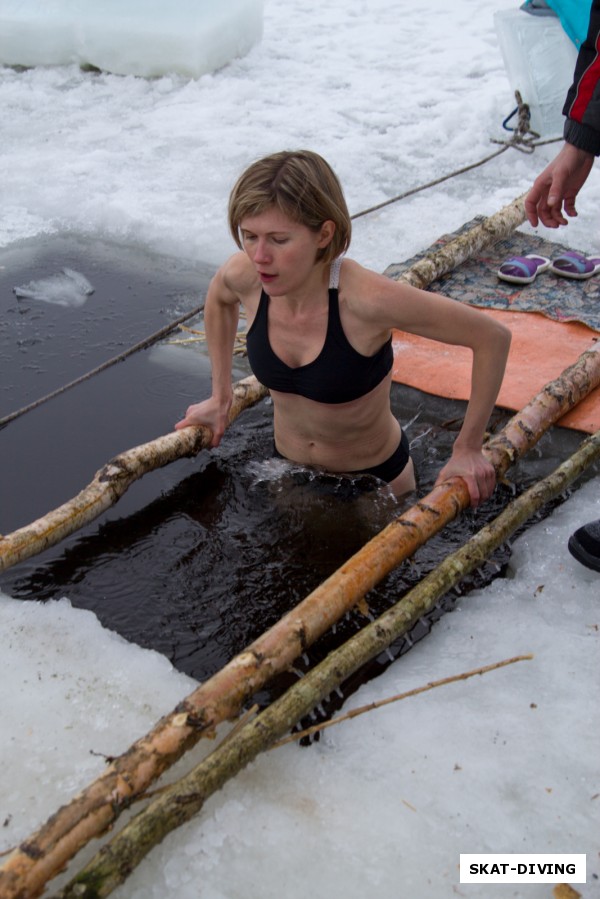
(540, 351)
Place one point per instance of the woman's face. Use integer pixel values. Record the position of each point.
(283, 251)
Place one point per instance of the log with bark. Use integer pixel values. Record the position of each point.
(178, 803)
(38, 858)
(111, 482)
(464, 246)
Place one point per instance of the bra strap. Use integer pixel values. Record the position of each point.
(334, 273)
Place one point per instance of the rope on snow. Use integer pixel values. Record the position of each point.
(523, 139)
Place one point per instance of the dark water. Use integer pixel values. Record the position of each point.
(200, 558)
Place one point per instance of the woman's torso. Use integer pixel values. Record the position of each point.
(329, 375)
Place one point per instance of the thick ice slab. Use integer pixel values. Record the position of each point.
(138, 37)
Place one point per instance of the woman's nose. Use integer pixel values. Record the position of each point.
(261, 253)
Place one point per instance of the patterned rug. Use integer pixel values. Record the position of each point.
(553, 320)
(475, 281)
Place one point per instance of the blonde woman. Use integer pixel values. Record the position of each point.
(320, 333)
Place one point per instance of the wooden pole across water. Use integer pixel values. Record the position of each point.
(110, 483)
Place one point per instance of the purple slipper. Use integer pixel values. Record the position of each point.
(575, 265)
(523, 269)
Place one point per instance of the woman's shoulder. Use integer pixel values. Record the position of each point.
(359, 284)
(373, 298)
(238, 276)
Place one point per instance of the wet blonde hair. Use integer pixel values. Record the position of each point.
(303, 186)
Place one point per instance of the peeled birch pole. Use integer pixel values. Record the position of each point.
(92, 811)
(111, 482)
(178, 803)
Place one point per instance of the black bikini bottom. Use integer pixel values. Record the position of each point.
(385, 471)
(392, 467)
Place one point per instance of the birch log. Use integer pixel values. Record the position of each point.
(31, 865)
(448, 257)
(111, 482)
(179, 802)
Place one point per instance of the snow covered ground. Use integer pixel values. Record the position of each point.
(393, 94)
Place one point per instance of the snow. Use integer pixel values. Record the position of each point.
(393, 94)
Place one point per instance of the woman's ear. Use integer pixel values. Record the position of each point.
(326, 234)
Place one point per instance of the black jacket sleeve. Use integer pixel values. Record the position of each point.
(582, 106)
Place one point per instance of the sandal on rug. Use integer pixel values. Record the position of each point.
(575, 265)
(523, 269)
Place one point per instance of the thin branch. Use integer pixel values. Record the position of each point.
(432, 685)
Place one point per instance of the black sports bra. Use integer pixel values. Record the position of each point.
(339, 374)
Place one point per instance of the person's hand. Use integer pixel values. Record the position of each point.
(557, 187)
(477, 472)
(209, 413)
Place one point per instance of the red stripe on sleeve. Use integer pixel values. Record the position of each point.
(585, 88)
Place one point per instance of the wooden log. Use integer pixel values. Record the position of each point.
(111, 482)
(552, 402)
(178, 803)
(452, 254)
(31, 865)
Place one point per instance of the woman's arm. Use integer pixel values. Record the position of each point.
(490, 343)
(440, 318)
(221, 315)
(395, 305)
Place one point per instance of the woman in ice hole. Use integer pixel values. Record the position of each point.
(320, 333)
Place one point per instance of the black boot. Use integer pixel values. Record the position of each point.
(584, 545)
